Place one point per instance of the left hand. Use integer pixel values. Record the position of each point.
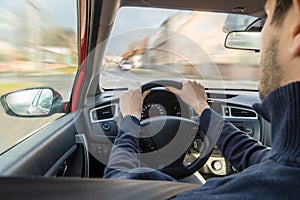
(131, 102)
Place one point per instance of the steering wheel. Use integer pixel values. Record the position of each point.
(165, 140)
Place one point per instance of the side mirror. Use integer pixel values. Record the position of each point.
(33, 102)
(243, 40)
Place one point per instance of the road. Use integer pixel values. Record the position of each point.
(113, 77)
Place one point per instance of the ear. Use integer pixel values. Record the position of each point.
(296, 4)
(295, 48)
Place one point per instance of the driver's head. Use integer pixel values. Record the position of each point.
(280, 59)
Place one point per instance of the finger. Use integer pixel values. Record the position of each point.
(202, 87)
(188, 84)
(136, 94)
(129, 91)
(173, 90)
(138, 87)
(124, 95)
(185, 82)
(146, 93)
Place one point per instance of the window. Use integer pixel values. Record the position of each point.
(38, 47)
(177, 44)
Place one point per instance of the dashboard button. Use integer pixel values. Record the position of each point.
(106, 126)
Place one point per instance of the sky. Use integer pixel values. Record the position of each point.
(60, 12)
(63, 14)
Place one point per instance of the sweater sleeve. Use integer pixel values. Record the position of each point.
(124, 155)
(236, 146)
(124, 159)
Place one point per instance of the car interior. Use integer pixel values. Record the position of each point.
(69, 155)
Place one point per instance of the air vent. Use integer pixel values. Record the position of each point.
(220, 96)
(237, 112)
(103, 113)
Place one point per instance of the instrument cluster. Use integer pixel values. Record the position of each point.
(160, 103)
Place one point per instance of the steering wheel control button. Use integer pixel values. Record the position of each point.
(146, 145)
(106, 126)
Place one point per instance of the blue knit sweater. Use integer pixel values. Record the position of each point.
(264, 173)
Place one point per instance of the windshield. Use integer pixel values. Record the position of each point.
(177, 45)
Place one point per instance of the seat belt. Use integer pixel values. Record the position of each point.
(36, 188)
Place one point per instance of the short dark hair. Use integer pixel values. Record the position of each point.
(281, 8)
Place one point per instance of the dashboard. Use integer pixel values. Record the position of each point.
(235, 106)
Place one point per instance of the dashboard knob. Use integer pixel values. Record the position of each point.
(106, 126)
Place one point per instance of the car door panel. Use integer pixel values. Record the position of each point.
(44, 152)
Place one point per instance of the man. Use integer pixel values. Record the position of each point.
(264, 173)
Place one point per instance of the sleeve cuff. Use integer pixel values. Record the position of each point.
(206, 117)
(130, 125)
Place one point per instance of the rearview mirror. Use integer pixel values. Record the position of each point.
(244, 40)
(32, 102)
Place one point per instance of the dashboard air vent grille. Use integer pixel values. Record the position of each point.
(236, 112)
(107, 112)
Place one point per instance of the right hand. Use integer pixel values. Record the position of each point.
(131, 102)
(193, 94)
